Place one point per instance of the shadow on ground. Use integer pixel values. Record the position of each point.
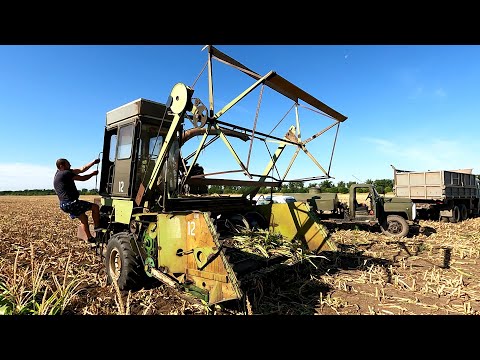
(414, 230)
(297, 289)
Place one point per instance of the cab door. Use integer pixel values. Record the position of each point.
(123, 161)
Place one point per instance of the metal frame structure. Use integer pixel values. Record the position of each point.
(206, 122)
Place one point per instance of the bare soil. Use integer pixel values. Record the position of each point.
(433, 272)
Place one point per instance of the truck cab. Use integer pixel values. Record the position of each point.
(394, 215)
(367, 210)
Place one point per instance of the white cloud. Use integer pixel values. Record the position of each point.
(21, 176)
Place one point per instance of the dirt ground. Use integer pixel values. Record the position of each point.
(435, 271)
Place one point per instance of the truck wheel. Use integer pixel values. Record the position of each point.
(396, 226)
(463, 212)
(122, 263)
(456, 215)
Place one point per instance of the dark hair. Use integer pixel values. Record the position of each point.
(61, 162)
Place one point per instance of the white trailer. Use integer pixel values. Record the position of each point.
(445, 195)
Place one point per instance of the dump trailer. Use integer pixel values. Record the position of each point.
(445, 195)
(394, 215)
(157, 218)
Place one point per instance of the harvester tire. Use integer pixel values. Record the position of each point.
(122, 263)
(395, 226)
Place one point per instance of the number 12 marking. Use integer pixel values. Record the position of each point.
(191, 228)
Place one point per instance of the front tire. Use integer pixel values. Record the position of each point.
(123, 265)
(395, 226)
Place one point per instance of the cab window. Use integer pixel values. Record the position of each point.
(125, 138)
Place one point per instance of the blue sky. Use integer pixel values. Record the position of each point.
(414, 106)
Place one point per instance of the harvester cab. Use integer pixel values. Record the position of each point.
(158, 217)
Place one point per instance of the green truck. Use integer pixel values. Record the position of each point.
(395, 215)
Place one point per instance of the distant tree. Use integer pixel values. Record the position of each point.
(342, 188)
(350, 183)
(228, 189)
(294, 187)
(386, 184)
(215, 189)
(290, 187)
(326, 184)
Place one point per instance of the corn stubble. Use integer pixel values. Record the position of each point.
(46, 270)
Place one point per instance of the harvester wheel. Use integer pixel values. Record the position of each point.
(122, 263)
(395, 226)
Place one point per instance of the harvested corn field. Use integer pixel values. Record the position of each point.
(45, 269)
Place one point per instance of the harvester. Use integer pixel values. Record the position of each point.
(159, 220)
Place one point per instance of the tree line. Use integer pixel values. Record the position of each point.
(290, 187)
(299, 187)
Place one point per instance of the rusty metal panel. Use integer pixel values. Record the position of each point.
(199, 235)
(213, 276)
(186, 246)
